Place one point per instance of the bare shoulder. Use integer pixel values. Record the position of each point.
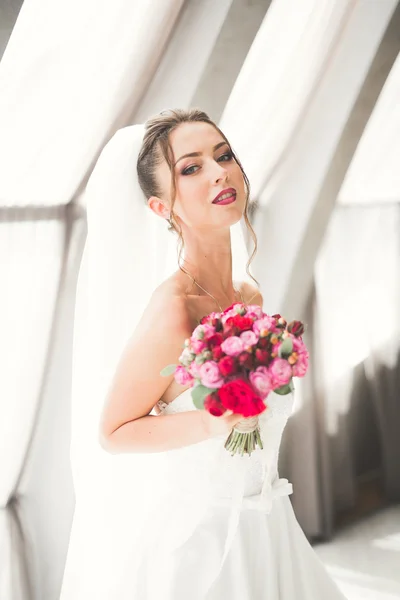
(251, 294)
(167, 309)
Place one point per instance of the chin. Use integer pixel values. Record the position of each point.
(235, 213)
(235, 218)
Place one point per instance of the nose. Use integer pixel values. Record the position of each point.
(220, 174)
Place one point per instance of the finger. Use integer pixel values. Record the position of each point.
(233, 419)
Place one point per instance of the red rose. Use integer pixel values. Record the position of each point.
(280, 321)
(229, 330)
(246, 360)
(263, 342)
(262, 356)
(213, 405)
(240, 397)
(217, 352)
(215, 340)
(242, 323)
(296, 327)
(209, 320)
(227, 366)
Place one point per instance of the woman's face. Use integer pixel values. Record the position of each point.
(204, 169)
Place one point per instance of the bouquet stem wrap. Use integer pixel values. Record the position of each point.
(244, 437)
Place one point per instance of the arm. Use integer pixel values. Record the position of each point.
(126, 425)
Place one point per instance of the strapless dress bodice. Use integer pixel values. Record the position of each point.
(213, 467)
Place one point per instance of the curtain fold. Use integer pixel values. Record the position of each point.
(32, 255)
(287, 112)
(69, 77)
(280, 74)
(71, 74)
(374, 175)
(357, 330)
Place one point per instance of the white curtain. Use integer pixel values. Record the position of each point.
(31, 261)
(374, 175)
(71, 74)
(63, 92)
(357, 338)
(285, 117)
(280, 75)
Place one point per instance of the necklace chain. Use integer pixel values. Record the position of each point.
(213, 297)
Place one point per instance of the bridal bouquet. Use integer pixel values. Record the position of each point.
(234, 359)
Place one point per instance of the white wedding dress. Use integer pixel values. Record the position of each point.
(228, 530)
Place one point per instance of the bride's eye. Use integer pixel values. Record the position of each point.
(226, 157)
(188, 170)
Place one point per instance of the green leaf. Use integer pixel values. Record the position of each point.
(286, 347)
(199, 394)
(285, 389)
(167, 371)
(200, 359)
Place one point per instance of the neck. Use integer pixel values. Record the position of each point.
(208, 258)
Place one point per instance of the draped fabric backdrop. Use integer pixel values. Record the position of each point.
(287, 80)
(356, 336)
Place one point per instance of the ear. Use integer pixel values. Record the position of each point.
(158, 207)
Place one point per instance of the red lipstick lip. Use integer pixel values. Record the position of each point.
(227, 191)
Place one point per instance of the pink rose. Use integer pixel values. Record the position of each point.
(198, 345)
(280, 372)
(182, 376)
(232, 312)
(254, 311)
(300, 367)
(249, 338)
(299, 346)
(194, 370)
(210, 375)
(203, 332)
(261, 381)
(209, 331)
(232, 346)
(266, 323)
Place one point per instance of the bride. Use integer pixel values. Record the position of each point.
(162, 509)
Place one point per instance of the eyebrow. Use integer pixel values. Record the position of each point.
(199, 153)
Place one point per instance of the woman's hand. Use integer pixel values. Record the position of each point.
(220, 425)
